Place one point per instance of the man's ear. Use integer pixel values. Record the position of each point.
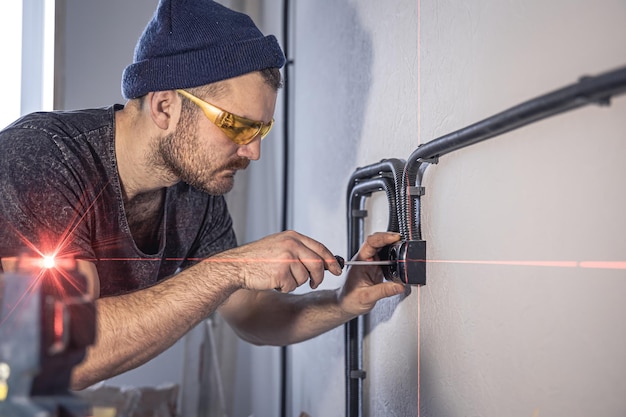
(164, 107)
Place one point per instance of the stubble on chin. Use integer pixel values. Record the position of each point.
(223, 179)
(178, 158)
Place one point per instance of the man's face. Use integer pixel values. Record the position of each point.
(200, 154)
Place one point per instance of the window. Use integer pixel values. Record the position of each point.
(11, 52)
(27, 51)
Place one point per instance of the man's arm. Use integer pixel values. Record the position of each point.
(133, 328)
(273, 318)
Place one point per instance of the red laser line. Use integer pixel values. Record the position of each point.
(218, 260)
(548, 264)
(419, 78)
(419, 351)
(602, 265)
(419, 141)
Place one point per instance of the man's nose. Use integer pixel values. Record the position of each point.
(252, 150)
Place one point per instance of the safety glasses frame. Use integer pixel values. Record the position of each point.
(240, 130)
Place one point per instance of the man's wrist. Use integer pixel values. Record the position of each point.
(223, 272)
(342, 305)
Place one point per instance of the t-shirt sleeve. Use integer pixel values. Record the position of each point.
(41, 209)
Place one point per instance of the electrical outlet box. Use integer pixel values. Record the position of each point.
(410, 262)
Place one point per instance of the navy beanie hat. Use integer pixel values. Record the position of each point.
(189, 43)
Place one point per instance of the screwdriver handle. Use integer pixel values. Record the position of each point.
(341, 261)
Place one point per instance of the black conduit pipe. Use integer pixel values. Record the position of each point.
(364, 188)
(360, 189)
(393, 167)
(589, 90)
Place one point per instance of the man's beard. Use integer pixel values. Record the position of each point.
(178, 155)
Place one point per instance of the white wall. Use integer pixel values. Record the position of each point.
(373, 80)
(10, 83)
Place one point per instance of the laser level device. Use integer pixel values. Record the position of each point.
(47, 321)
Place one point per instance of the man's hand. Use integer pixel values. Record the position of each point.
(364, 284)
(281, 262)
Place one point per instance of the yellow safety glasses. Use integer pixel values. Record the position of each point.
(238, 129)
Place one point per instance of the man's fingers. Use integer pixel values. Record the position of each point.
(325, 255)
(313, 254)
(299, 273)
(379, 291)
(376, 241)
(380, 239)
(292, 260)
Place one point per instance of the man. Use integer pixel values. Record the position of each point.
(134, 193)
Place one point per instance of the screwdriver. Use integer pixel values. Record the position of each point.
(342, 262)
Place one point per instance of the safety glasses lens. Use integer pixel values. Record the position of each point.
(243, 131)
(239, 129)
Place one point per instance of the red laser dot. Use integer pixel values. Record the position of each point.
(48, 262)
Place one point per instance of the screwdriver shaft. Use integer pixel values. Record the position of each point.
(368, 262)
(343, 262)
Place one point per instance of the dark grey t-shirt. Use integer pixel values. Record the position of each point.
(60, 191)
